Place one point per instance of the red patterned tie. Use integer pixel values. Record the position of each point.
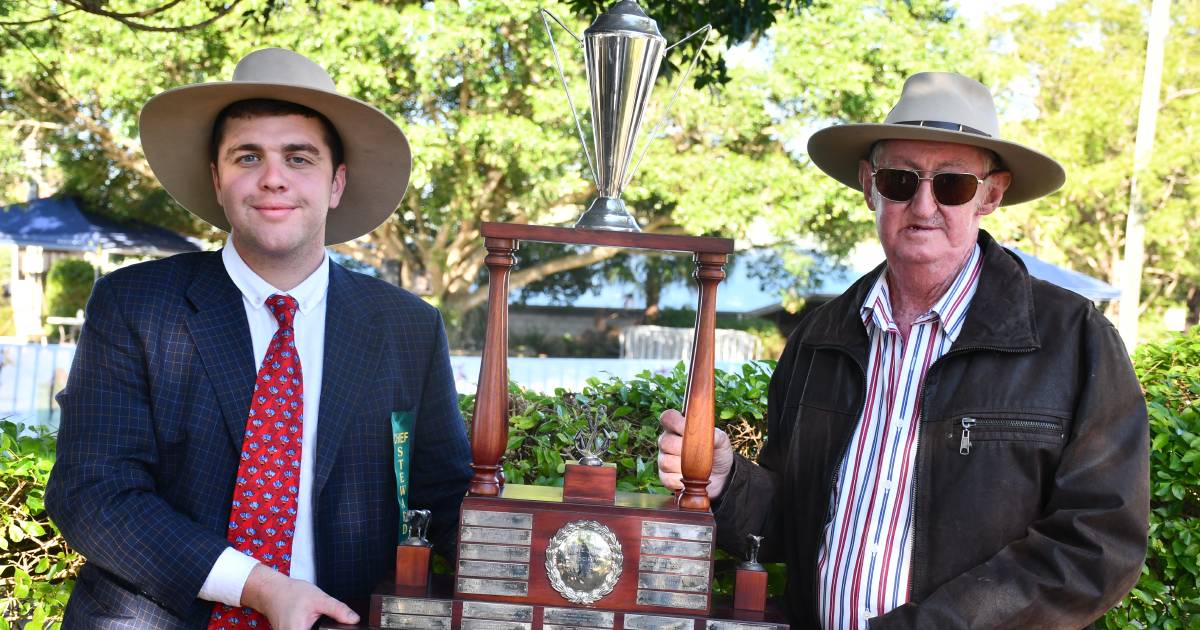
(263, 516)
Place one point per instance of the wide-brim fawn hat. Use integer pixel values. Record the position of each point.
(176, 128)
(942, 107)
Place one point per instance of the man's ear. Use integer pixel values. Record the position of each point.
(864, 180)
(212, 167)
(339, 186)
(996, 184)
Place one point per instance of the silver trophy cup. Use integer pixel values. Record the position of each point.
(623, 50)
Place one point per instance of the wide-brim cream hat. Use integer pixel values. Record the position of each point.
(176, 128)
(942, 107)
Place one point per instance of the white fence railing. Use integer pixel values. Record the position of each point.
(31, 374)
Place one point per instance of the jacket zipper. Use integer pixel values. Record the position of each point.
(918, 549)
(964, 444)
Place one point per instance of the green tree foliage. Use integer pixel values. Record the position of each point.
(1168, 594)
(475, 88)
(1073, 71)
(68, 285)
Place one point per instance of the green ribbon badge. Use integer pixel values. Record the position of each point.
(402, 426)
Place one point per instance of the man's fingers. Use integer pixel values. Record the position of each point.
(672, 421)
(670, 443)
(338, 611)
(668, 463)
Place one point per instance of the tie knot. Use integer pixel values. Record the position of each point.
(284, 309)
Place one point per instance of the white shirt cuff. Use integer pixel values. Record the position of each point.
(227, 577)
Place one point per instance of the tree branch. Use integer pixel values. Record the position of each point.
(47, 18)
(533, 274)
(1177, 94)
(128, 18)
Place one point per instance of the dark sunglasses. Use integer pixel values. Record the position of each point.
(950, 189)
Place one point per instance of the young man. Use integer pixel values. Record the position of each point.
(225, 453)
(951, 443)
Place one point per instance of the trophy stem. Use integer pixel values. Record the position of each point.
(697, 455)
(489, 427)
(608, 213)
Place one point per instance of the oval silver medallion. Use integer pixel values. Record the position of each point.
(583, 561)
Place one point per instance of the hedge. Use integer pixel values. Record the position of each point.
(68, 285)
(35, 576)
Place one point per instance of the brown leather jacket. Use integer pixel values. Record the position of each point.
(1040, 523)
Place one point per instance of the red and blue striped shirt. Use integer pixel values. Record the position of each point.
(864, 561)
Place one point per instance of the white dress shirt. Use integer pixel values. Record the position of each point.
(228, 576)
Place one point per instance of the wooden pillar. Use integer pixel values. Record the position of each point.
(489, 428)
(696, 459)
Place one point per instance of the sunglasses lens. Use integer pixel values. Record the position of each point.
(954, 189)
(896, 184)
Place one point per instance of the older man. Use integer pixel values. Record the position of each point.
(951, 443)
(225, 456)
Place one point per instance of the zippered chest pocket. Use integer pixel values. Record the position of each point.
(972, 430)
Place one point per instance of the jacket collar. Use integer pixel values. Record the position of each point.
(1001, 315)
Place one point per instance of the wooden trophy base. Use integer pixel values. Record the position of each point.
(750, 589)
(665, 553)
(412, 566)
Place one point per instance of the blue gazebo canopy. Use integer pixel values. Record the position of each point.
(60, 224)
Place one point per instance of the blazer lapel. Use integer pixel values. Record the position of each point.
(348, 353)
(222, 336)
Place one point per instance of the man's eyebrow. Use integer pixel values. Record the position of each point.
(301, 146)
(247, 146)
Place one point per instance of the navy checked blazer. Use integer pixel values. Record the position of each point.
(152, 421)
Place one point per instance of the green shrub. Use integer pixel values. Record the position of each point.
(541, 428)
(1168, 593)
(68, 285)
(36, 565)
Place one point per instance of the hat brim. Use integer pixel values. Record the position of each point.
(837, 151)
(176, 128)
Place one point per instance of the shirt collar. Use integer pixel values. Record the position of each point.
(950, 309)
(308, 294)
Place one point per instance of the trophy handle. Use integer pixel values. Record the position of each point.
(563, 78)
(707, 30)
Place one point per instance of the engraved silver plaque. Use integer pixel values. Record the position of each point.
(506, 570)
(578, 617)
(681, 566)
(517, 520)
(497, 535)
(489, 624)
(738, 625)
(496, 553)
(414, 606)
(678, 531)
(499, 612)
(669, 582)
(676, 548)
(479, 586)
(671, 600)
(656, 622)
(584, 561)
(418, 622)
